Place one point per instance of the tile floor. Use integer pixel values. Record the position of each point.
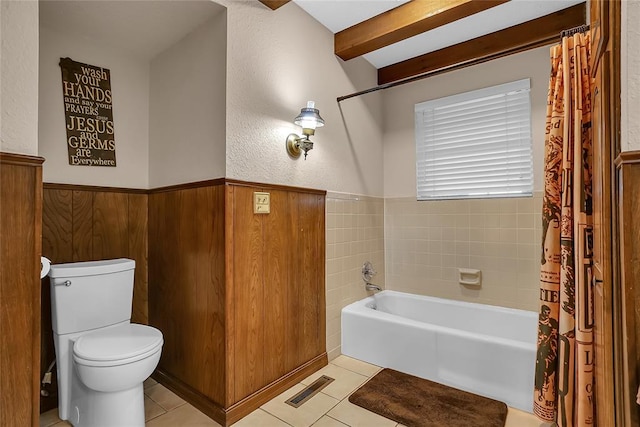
(328, 408)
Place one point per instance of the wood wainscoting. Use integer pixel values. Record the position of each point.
(85, 223)
(628, 171)
(604, 19)
(20, 246)
(186, 292)
(238, 296)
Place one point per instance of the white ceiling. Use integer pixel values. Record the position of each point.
(144, 28)
(337, 15)
(147, 27)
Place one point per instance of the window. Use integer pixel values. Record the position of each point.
(475, 144)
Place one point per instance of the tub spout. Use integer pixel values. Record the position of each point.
(371, 287)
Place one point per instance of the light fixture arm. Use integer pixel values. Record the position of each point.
(296, 144)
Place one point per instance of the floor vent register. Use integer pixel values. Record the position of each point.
(309, 391)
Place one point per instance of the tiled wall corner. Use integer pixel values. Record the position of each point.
(355, 234)
(426, 243)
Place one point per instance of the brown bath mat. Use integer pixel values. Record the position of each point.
(416, 402)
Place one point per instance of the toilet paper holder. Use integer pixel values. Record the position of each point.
(45, 266)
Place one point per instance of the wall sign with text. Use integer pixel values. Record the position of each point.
(88, 112)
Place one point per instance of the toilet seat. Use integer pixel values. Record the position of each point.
(118, 345)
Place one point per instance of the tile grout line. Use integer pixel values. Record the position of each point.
(335, 419)
(355, 372)
(174, 408)
(326, 413)
(184, 402)
(277, 417)
(315, 421)
(339, 402)
(346, 369)
(159, 415)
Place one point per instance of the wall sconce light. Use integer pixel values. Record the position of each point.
(309, 119)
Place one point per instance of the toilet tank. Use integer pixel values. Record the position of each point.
(90, 295)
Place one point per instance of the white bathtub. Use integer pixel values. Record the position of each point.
(479, 348)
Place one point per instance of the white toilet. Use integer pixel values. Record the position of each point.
(102, 358)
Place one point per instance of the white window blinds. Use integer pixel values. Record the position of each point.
(475, 144)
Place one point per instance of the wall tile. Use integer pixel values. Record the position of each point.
(433, 239)
(508, 220)
(526, 220)
(491, 221)
(417, 247)
(525, 205)
(356, 235)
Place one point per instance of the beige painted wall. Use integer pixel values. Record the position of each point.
(276, 62)
(399, 102)
(19, 36)
(271, 71)
(130, 89)
(19, 77)
(187, 108)
(630, 75)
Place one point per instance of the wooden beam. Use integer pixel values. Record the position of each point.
(274, 4)
(404, 21)
(528, 35)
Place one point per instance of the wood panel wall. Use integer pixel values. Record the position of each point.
(604, 19)
(84, 223)
(187, 291)
(278, 264)
(262, 327)
(238, 296)
(628, 209)
(20, 247)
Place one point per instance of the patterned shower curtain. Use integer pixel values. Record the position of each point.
(563, 390)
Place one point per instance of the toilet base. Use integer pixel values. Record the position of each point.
(90, 408)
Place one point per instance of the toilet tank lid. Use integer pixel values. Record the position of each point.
(91, 268)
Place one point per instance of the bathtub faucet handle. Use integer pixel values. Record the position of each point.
(367, 271)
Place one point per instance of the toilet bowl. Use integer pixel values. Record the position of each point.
(102, 357)
(117, 358)
(110, 366)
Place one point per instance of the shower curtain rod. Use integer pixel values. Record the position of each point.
(423, 76)
(575, 30)
(564, 33)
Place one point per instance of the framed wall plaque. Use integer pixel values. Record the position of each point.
(86, 90)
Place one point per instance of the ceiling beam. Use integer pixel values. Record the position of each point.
(407, 20)
(274, 4)
(528, 35)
